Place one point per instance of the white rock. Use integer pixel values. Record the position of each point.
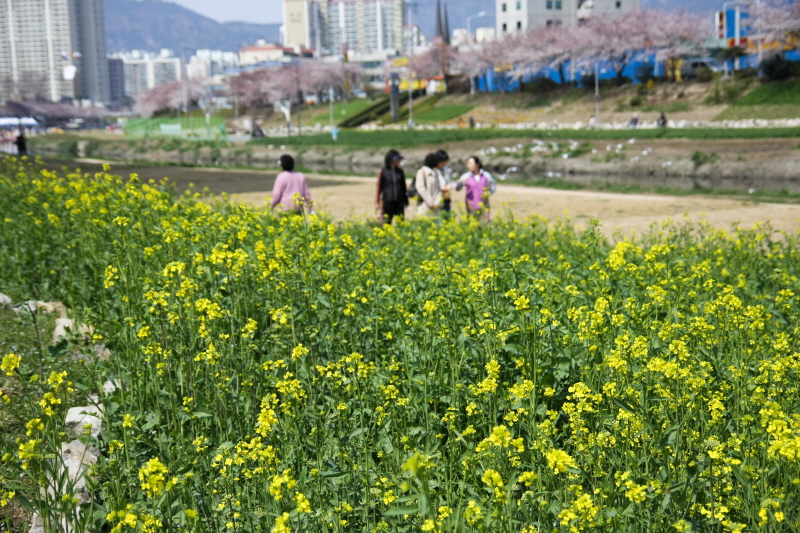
(80, 417)
(37, 525)
(110, 386)
(67, 325)
(4, 300)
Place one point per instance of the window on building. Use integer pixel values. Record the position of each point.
(505, 27)
(619, 5)
(549, 23)
(504, 8)
(519, 25)
(549, 4)
(519, 6)
(558, 4)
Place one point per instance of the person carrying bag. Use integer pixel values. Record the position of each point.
(391, 197)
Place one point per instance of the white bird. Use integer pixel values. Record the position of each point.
(634, 159)
(558, 174)
(608, 148)
(632, 141)
(751, 191)
(650, 150)
(270, 147)
(666, 164)
(564, 156)
(645, 152)
(594, 151)
(619, 147)
(550, 174)
(283, 147)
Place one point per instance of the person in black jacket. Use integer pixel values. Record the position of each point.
(22, 143)
(391, 199)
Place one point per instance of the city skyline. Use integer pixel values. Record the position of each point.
(271, 11)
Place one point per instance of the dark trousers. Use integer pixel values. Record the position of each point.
(393, 209)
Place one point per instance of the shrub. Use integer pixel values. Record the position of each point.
(705, 74)
(636, 101)
(541, 85)
(745, 73)
(776, 68)
(644, 72)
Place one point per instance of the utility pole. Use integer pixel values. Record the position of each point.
(299, 94)
(471, 46)
(411, 74)
(597, 95)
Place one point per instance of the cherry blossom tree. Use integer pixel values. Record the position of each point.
(776, 21)
(620, 38)
(471, 63)
(675, 35)
(169, 96)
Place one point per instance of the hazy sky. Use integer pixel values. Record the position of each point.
(260, 11)
(265, 11)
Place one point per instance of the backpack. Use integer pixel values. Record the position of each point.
(412, 192)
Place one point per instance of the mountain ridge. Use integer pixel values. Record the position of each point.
(155, 24)
(152, 25)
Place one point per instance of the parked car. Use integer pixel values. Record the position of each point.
(690, 66)
(359, 94)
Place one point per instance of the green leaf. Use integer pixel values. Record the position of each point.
(397, 511)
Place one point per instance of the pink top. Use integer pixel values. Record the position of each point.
(287, 184)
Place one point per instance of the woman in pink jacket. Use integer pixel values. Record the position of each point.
(480, 184)
(290, 191)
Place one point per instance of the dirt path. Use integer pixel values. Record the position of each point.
(629, 213)
(343, 197)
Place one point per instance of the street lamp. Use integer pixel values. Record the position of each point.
(597, 72)
(469, 21)
(471, 40)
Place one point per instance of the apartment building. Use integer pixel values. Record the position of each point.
(53, 50)
(143, 71)
(523, 15)
(357, 27)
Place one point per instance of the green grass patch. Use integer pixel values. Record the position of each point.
(442, 113)
(341, 110)
(776, 93)
(412, 138)
(762, 112)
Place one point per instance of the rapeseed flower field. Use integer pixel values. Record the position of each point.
(283, 374)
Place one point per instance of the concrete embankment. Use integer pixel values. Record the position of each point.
(735, 165)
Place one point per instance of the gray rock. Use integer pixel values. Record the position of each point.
(79, 417)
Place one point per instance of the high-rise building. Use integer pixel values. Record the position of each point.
(144, 71)
(116, 81)
(53, 50)
(522, 15)
(361, 27)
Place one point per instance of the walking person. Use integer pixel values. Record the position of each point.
(290, 191)
(662, 120)
(427, 185)
(391, 198)
(445, 176)
(480, 185)
(22, 143)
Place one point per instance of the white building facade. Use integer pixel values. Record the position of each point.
(53, 50)
(522, 15)
(336, 27)
(144, 71)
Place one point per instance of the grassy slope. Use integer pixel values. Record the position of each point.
(408, 139)
(769, 101)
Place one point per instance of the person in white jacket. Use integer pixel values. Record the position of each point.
(428, 187)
